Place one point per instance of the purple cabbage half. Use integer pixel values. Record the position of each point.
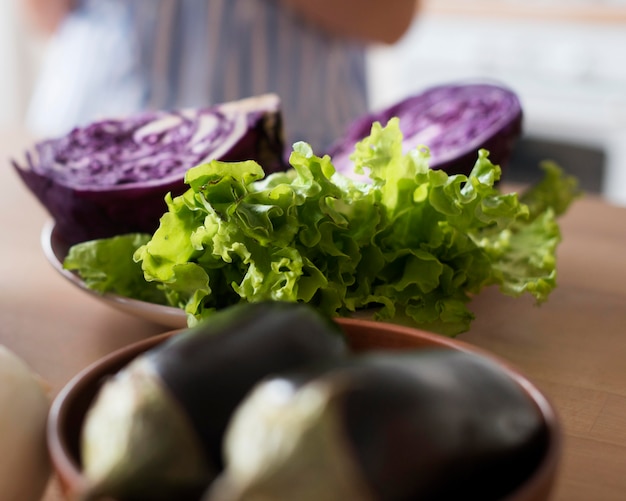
(111, 177)
(454, 121)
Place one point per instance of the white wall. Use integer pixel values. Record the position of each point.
(19, 55)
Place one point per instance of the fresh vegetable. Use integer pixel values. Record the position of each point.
(155, 430)
(112, 268)
(414, 245)
(427, 425)
(110, 177)
(454, 121)
(24, 403)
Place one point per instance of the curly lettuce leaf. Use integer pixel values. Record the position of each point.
(107, 265)
(412, 245)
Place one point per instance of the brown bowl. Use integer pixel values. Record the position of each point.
(69, 407)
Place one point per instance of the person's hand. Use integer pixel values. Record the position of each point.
(46, 15)
(381, 21)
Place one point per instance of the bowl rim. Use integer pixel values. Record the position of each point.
(55, 249)
(67, 469)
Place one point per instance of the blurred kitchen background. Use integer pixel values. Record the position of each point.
(565, 58)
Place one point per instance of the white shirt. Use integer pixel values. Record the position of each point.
(111, 58)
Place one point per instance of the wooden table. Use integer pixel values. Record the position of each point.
(573, 347)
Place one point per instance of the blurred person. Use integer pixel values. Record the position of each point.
(108, 58)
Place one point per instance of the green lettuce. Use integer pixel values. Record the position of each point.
(107, 265)
(414, 244)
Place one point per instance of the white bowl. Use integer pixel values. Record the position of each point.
(56, 249)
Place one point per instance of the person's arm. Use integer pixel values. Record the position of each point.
(46, 15)
(368, 20)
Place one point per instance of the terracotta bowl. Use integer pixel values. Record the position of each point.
(69, 407)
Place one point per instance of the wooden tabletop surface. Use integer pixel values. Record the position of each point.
(573, 347)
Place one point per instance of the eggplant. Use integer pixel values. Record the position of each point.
(453, 120)
(428, 425)
(155, 429)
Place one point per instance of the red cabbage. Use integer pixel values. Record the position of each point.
(454, 121)
(111, 177)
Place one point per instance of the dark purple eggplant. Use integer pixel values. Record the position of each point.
(155, 430)
(428, 425)
(110, 177)
(454, 121)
